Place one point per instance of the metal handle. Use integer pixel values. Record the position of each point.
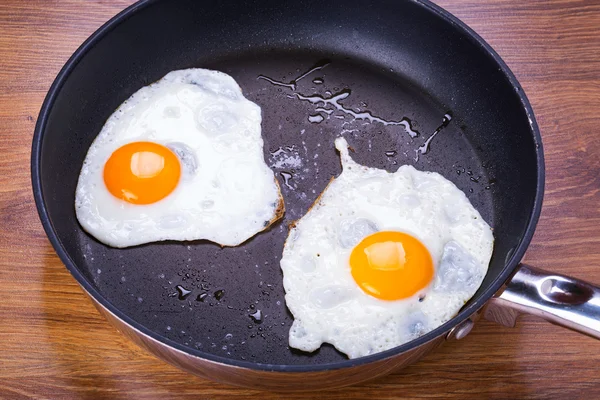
(559, 299)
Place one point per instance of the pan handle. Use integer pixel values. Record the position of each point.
(559, 299)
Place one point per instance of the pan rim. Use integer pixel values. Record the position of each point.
(465, 313)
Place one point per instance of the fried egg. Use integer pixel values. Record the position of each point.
(381, 259)
(181, 159)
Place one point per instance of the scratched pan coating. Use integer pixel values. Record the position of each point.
(229, 302)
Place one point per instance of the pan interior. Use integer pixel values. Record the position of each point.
(229, 302)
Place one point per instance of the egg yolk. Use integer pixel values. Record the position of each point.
(391, 265)
(142, 172)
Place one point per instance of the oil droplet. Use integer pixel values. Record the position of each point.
(219, 294)
(202, 297)
(391, 153)
(318, 81)
(183, 292)
(286, 179)
(315, 119)
(257, 316)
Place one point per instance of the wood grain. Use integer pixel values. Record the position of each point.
(54, 344)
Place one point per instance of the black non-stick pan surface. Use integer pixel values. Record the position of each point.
(400, 61)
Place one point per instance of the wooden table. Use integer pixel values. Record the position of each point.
(54, 344)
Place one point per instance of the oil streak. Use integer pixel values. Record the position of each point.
(278, 152)
(364, 115)
(318, 66)
(334, 99)
(424, 148)
(325, 110)
(278, 83)
(292, 84)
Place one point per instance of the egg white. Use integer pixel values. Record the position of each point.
(328, 305)
(226, 193)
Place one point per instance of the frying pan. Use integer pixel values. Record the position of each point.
(412, 65)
